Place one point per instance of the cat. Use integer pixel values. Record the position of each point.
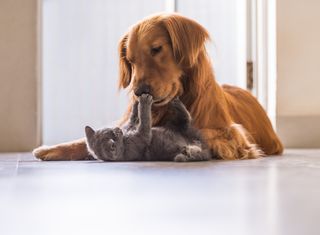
(176, 140)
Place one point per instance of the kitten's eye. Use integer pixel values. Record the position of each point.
(156, 50)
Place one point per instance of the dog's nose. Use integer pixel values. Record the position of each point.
(142, 89)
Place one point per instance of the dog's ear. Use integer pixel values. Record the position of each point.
(124, 65)
(187, 39)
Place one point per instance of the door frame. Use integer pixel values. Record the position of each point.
(262, 52)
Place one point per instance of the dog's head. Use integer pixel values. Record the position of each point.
(157, 52)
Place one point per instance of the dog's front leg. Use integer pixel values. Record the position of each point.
(74, 150)
(230, 143)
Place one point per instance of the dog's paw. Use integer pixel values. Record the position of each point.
(46, 153)
(146, 99)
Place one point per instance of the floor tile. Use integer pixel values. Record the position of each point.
(273, 195)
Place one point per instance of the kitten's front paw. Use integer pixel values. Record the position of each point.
(146, 99)
(176, 102)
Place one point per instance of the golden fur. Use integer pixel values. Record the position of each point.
(167, 53)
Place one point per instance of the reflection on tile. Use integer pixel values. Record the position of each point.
(274, 195)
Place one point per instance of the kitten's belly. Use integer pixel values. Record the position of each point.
(165, 144)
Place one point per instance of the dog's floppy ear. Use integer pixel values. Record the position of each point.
(124, 65)
(187, 39)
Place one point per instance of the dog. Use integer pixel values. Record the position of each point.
(164, 55)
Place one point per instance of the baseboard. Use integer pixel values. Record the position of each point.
(299, 131)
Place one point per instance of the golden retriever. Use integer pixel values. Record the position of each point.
(165, 55)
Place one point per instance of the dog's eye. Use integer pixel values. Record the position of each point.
(155, 50)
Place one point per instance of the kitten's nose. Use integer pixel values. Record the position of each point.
(142, 89)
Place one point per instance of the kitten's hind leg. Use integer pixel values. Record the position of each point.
(192, 153)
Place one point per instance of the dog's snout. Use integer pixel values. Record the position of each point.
(142, 89)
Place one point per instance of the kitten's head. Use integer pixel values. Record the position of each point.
(105, 144)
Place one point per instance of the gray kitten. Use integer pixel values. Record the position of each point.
(177, 140)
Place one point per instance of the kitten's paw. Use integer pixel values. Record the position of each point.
(146, 99)
(191, 150)
(195, 153)
(181, 158)
(176, 102)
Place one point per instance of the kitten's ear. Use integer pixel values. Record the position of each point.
(89, 132)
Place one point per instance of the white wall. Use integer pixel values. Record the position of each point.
(298, 94)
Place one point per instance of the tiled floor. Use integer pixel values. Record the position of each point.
(272, 196)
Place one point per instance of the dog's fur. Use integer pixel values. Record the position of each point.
(165, 55)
